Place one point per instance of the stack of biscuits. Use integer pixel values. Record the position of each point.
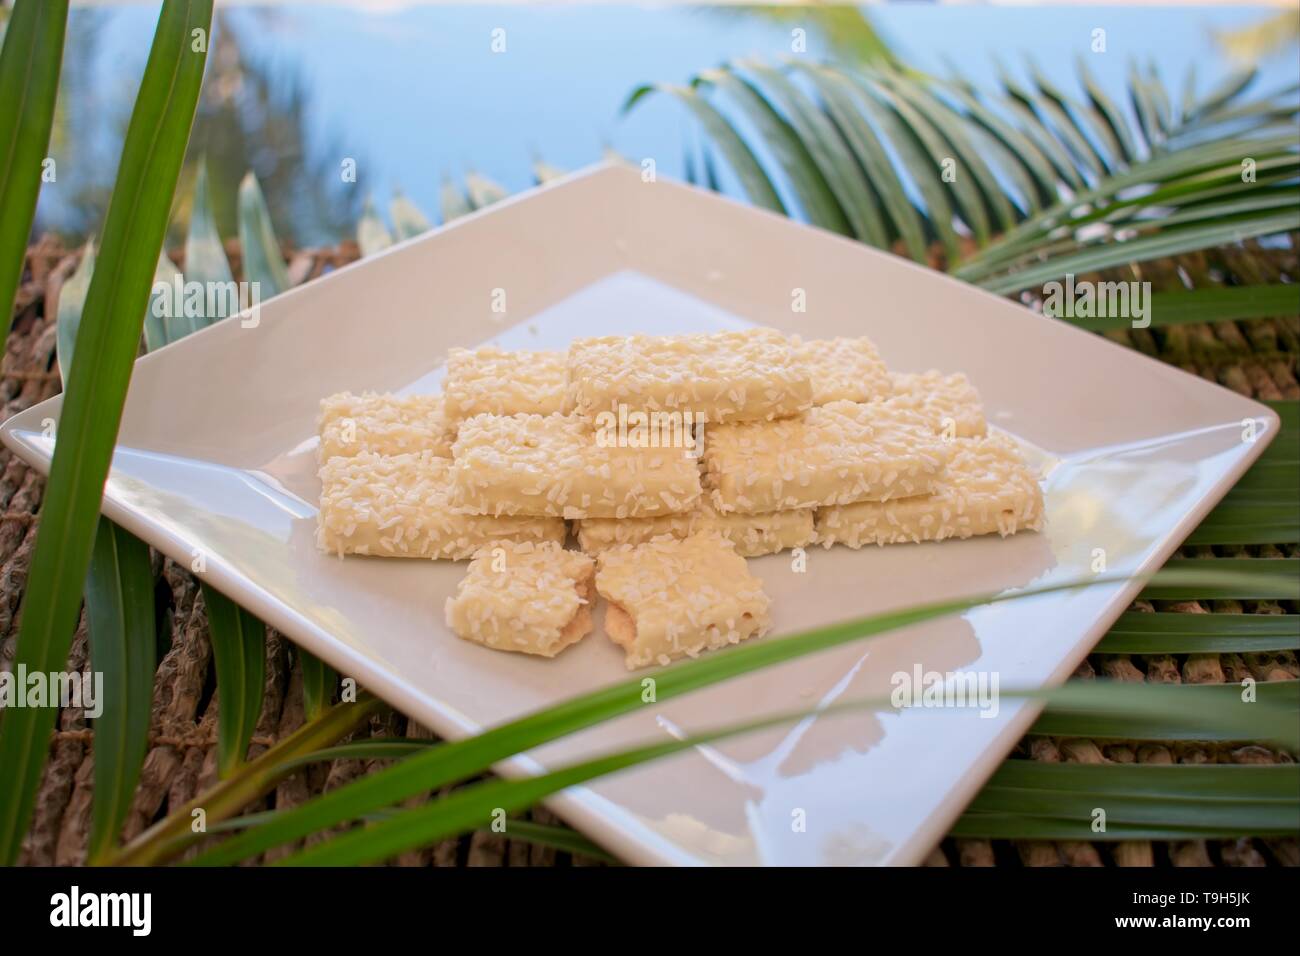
(671, 459)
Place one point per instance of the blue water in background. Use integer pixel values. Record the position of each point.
(415, 92)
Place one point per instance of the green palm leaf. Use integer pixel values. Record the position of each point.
(29, 80)
(806, 180)
(408, 220)
(239, 652)
(262, 261)
(107, 342)
(449, 762)
(205, 262)
(120, 622)
(758, 187)
(72, 299)
(1266, 802)
(318, 683)
(1173, 633)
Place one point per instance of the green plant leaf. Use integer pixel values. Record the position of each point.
(452, 201)
(842, 105)
(1248, 519)
(372, 235)
(710, 171)
(262, 261)
(1157, 246)
(544, 172)
(408, 221)
(1110, 112)
(239, 653)
(1177, 633)
(829, 151)
(120, 622)
(449, 762)
(29, 82)
(1196, 698)
(809, 185)
(1209, 304)
(1268, 579)
(91, 410)
(1224, 93)
(953, 129)
(318, 683)
(159, 323)
(739, 157)
(1016, 143)
(472, 806)
(249, 782)
(482, 191)
(205, 260)
(1027, 799)
(72, 299)
(927, 175)
(965, 196)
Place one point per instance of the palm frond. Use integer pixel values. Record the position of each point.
(1036, 179)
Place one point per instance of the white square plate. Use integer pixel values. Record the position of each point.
(217, 454)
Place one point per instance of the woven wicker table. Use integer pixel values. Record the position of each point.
(1256, 358)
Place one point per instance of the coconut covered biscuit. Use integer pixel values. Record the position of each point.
(525, 597)
(950, 402)
(491, 380)
(835, 454)
(396, 506)
(554, 465)
(671, 598)
(382, 424)
(987, 489)
(844, 369)
(748, 375)
(752, 535)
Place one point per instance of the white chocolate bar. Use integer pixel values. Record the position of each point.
(396, 506)
(835, 454)
(752, 535)
(524, 597)
(382, 424)
(844, 369)
(553, 465)
(748, 375)
(950, 401)
(987, 488)
(490, 380)
(671, 597)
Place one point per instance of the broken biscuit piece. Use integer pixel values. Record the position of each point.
(555, 465)
(524, 597)
(950, 402)
(396, 506)
(835, 454)
(383, 424)
(844, 369)
(987, 489)
(671, 598)
(492, 380)
(752, 535)
(749, 375)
